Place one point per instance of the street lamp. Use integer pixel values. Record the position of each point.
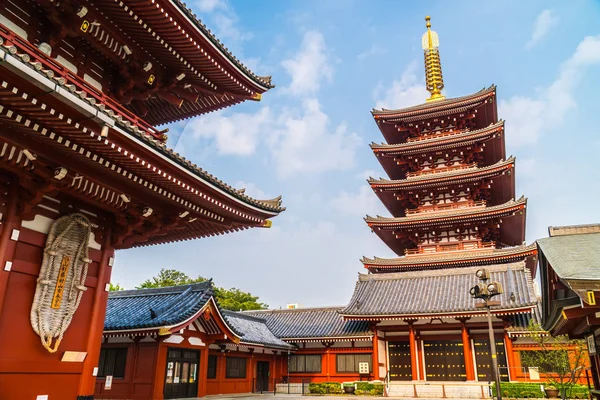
(486, 291)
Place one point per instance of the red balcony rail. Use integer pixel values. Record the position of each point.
(439, 248)
(440, 169)
(445, 207)
(48, 64)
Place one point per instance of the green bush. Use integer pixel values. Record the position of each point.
(527, 390)
(375, 389)
(325, 388)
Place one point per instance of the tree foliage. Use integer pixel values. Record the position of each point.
(115, 288)
(230, 299)
(560, 359)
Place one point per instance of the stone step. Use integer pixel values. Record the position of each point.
(440, 390)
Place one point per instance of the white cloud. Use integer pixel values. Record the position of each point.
(236, 134)
(310, 66)
(358, 204)
(528, 117)
(542, 25)
(252, 190)
(374, 50)
(304, 143)
(406, 92)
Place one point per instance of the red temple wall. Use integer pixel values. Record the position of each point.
(23, 359)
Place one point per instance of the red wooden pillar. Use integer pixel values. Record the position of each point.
(420, 357)
(94, 341)
(413, 351)
(375, 356)
(7, 246)
(159, 369)
(468, 354)
(203, 371)
(510, 355)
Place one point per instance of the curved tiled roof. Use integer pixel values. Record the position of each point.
(444, 292)
(462, 138)
(142, 134)
(452, 257)
(263, 81)
(443, 177)
(155, 308)
(307, 323)
(467, 212)
(573, 257)
(254, 330)
(435, 105)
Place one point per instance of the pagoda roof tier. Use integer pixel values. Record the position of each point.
(443, 293)
(394, 158)
(453, 259)
(391, 121)
(510, 216)
(64, 127)
(191, 71)
(395, 194)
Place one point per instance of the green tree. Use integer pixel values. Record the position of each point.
(169, 277)
(115, 288)
(230, 299)
(561, 359)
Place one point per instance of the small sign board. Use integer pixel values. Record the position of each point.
(73, 356)
(41, 397)
(591, 343)
(363, 368)
(108, 382)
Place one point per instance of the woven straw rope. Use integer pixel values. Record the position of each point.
(68, 236)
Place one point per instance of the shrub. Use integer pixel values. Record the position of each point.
(527, 390)
(325, 388)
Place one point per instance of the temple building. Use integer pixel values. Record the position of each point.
(85, 171)
(451, 193)
(570, 274)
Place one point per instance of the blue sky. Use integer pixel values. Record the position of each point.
(333, 61)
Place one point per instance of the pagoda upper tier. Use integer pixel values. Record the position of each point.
(453, 189)
(446, 151)
(473, 112)
(468, 228)
(155, 57)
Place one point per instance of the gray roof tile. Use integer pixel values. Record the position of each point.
(574, 257)
(254, 330)
(439, 292)
(303, 323)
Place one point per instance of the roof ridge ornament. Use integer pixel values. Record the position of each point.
(433, 67)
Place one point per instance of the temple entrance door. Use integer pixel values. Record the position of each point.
(400, 367)
(181, 378)
(483, 356)
(262, 376)
(444, 360)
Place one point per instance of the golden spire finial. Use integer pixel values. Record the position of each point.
(433, 66)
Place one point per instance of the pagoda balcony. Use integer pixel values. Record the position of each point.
(441, 169)
(451, 247)
(446, 207)
(38, 61)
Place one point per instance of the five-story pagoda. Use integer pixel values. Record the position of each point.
(451, 193)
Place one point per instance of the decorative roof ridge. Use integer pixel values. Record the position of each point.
(264, 81)
(432, 105)
(452, 213)
(435, 140)
(166, 290)
(291, 310)
(157, 145)
(443, 175)
(443, 256)
(390, 276)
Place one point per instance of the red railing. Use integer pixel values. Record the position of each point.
(445, 207)
(59, 71)
(439, 248)
(440, 169)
